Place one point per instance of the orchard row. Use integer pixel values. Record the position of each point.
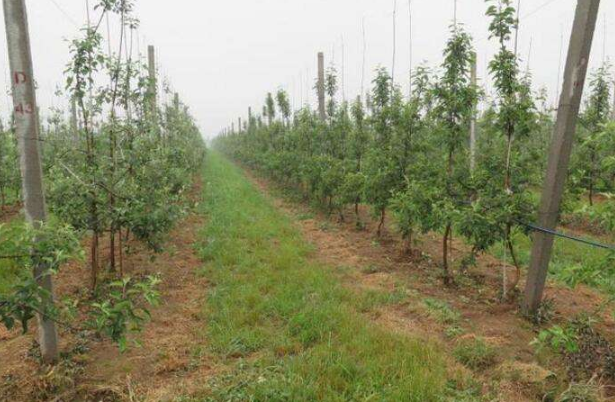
(416, 157)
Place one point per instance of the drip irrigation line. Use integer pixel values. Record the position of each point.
(14, 257)
(555, 233)
(19, 257)
(567, 236)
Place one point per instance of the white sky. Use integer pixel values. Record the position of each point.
(223, 56)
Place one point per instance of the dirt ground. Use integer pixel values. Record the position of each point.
(8, 212)
(169, 361)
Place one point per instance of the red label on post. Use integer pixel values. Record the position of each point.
(24, 109)
(20, 77)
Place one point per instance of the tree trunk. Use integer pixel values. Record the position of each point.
(513, 256)
(445, 244)
(358, 223)
(121, 247)
(94, 261)
(591, 186)
(407, 244)
(507, 183)
(381, 224)
(112, 250)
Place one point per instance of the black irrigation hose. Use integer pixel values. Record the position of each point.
(568, 237)
(555, 233)
(17, 257)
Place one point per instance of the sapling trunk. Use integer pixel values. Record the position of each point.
(90, 166)
(93, 207)
(591, 178)
(446, 240)
(445, 252)
(507, 181)
(121, 246)
(112, 145)
(112, 250)
(94, 261)
(407, 243)
(508, 189)
(513, 256)
(381, 224)
(590, 195)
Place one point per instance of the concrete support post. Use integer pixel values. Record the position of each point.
(28, 131)
(322, 113)
(153, 84)
(561, 147)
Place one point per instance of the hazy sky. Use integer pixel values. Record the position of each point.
(223, 56)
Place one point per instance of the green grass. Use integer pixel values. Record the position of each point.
(282, 326)
(572, 262)
(475, 354)
(441, 311)
(11, 197)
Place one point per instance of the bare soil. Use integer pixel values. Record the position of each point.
(8, 212)
(169, 361)
(368, 262)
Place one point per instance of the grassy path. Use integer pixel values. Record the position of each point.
(282, 326)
